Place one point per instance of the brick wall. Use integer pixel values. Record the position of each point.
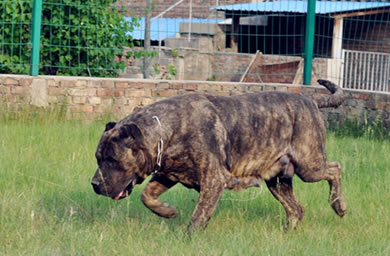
(266, 68)
(91, 98)
(366, 36)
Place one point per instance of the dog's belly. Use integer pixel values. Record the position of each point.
(255, 168)
(262, 166)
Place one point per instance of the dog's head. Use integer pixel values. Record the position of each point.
(122, 161)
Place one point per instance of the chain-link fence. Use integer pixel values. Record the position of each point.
(271, 41)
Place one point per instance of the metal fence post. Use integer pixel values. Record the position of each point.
(309, 41)
(148, 17)
(36, 37)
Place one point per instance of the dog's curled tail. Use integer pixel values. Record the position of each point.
(329, 101)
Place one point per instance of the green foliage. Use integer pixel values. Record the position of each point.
(375, 129)
(15, 40)
(141, 54)
(175, 53)
(172, 70)
(212, 78)
(156, 68)
(168, 71)
(83, 38)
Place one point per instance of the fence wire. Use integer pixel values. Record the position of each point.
(221, 40)
(15, 43)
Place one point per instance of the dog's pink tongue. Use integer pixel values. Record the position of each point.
(118, 196)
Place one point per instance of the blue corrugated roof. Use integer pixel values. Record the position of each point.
(322, 7)
(162, 28)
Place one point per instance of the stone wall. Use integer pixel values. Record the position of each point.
(92, 98)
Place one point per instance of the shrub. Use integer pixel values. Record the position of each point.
(80, 38)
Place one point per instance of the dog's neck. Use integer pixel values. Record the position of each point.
(160, 148)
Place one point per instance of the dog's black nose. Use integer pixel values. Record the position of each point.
(96, 187)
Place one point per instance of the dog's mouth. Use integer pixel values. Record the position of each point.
(127, 191)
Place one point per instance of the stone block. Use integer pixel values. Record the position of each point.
(281, 88)
(104, 92)
(107, 102)
(294, 89)
(4, 90)
(96, 83)
(19, 90)
(121, 85)
(120, 101)
(10, 98)
(222, 93)
(269, 88)
(255, 88)
(119, 92)
(52, 83)
(94, 100)
(100, 109)
(25, 82)
(87, 108)
(205, 87)
(39, 93)
(363, 95)
(176, 86)
(138, 93)
(79, 99)
(163, 85)
(148, 101)
(55, 91)
(82, 92)
(142, 85)
(81, 83)
(10, 81)
(164, 93)
(67, 83)
(52, 99)
(190, 87)
(108, 84)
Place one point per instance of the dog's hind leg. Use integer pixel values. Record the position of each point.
(335, 196)
(156, 186)
(282, 189)
(330, 171)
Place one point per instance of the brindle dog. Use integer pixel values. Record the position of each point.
(213, 143)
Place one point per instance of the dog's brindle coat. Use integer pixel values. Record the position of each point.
(211, 143)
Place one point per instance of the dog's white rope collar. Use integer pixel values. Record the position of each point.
(160, 148)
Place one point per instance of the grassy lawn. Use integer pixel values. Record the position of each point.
(47, 206)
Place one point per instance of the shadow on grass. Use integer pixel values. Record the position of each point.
(82, 205)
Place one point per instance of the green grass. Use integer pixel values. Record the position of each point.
(47, 206)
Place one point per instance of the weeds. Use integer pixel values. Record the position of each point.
(374, 130)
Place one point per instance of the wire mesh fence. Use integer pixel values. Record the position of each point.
(15, 43)
(221, 40)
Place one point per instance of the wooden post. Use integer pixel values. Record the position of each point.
(249, 66)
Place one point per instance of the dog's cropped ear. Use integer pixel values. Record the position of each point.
(109, 126)
(130, 130)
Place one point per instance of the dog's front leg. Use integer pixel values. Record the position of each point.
(156, 186)
(211, 191)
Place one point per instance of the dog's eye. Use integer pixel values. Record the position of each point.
(110, 159)
(116, 139)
